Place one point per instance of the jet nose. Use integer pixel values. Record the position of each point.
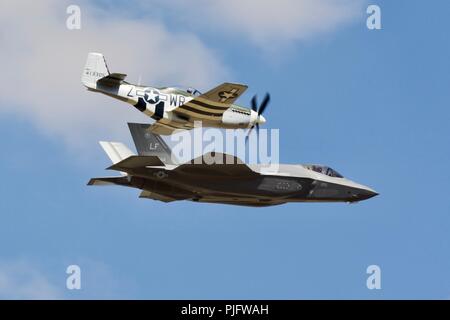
(364, 194)
(261, 119)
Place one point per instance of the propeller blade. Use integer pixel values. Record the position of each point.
(264, 104)
(254, 103)
(260, 110)
(248, 134)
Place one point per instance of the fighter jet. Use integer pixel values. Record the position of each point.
(225, 180)
(173, 107)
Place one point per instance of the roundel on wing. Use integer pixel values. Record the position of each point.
(152, 96)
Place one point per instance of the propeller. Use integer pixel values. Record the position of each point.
(259, 111)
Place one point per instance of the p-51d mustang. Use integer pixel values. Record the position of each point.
(175, 108)
(229, 181)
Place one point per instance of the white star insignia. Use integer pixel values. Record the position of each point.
(152, 96)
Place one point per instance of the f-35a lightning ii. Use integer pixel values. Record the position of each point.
(154, 171)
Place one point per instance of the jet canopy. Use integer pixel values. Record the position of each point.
(323, 170)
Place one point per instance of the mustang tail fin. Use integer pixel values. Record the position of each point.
(94, 70)
(150, 144)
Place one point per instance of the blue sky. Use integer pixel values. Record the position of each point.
(372, 104)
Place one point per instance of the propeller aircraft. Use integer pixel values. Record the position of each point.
(173, 107)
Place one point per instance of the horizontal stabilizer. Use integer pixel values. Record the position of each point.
(136, 162)
(114, 79)
(116, 76)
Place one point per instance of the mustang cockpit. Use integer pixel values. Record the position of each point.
(193, 91)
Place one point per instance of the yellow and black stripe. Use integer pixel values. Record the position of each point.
(203, 110)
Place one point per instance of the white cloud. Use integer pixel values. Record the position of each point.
(41, 63)
(41, 60)
(269, 24)
(19, 280)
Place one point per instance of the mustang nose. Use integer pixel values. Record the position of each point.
(261, 120)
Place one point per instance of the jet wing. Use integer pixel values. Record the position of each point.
(212, 104)
(156, 196)
(216, 164)
(241, 201)
(105, 181)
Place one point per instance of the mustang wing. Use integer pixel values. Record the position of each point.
(226, 93)
(212, 104)
(167, 128)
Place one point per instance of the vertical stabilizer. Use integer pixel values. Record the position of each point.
(150, 144)
(116, 151)
(94, 70)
